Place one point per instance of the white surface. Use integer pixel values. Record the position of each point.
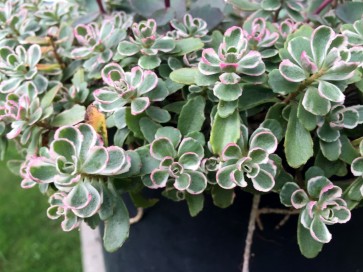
(92, 254)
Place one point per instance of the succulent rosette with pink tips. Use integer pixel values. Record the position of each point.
(321, 204)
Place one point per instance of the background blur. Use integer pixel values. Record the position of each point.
(29, 241)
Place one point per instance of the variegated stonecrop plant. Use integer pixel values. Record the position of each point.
(99, 101)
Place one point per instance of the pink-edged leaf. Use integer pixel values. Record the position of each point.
(357, 167)
(207, 70)
(291, 72)
(233, 36)
(78, 197)
(319, 231)
(258, 155)
(149, 82)
(159, 177)
(231, 151)
(224, 177)
(250, 60)
(96, 160)
(299, 199)
(321, 40)
(340, 71)
(265, 140)
(182, 182)
(238, 177)
(316, 184)
(190, 161)
(307, 64)
(162, 147)
(198, 183)
(263, 181)
(139, 105)
(41, 171)
(210, 57)
(330, 92)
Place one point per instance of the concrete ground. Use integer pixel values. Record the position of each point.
(91, 246)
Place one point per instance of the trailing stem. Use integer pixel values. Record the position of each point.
(137, 217)
(250, 232)
(303, 86)
(100, 7)
(55, 53)
(322, 6)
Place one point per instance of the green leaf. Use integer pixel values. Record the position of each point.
(286, 192)
(253, 96)
(49, 96)
(226, 108)
(222, 198)
(298, 143)
(245, 5)
(116, 227)
(148, 163)
(228, 92)
(158, 115)
(149, 62)
(195, 203)
(279, 84)
(187, 45)
(133, 123)
(270, 4)
(309, 247)
(140, 201)
(224, 131)
(350, 12)
(184, 75)
(69, 117)
(331, 150)
(306, 118)
(192, 117)
(148, 128)
(349, 153)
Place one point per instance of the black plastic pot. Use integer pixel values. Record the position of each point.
(168, 239)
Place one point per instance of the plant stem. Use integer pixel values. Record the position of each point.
(276, 15)
(250, 232)
(56, 55)
(137, 217)
(100, 6)
(303, 86)
(322, 6)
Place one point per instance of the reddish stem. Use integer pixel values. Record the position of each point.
(100, 6)
(322, 6)
(167, 3)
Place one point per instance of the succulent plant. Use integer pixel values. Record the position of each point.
(340, 117)
(354, 32)
(319, 65)
(76, 153)
(24, 112)
(357, 164)
(136, 88)
(146, 41)
(20, 65)
(51, 14)
(191, 27)
(99, 42)
(179, 162)
(83, 201)
(320, 205)
(233, 59)
(193, 104)
(261, 39)
(249, 160)
(16, 22)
